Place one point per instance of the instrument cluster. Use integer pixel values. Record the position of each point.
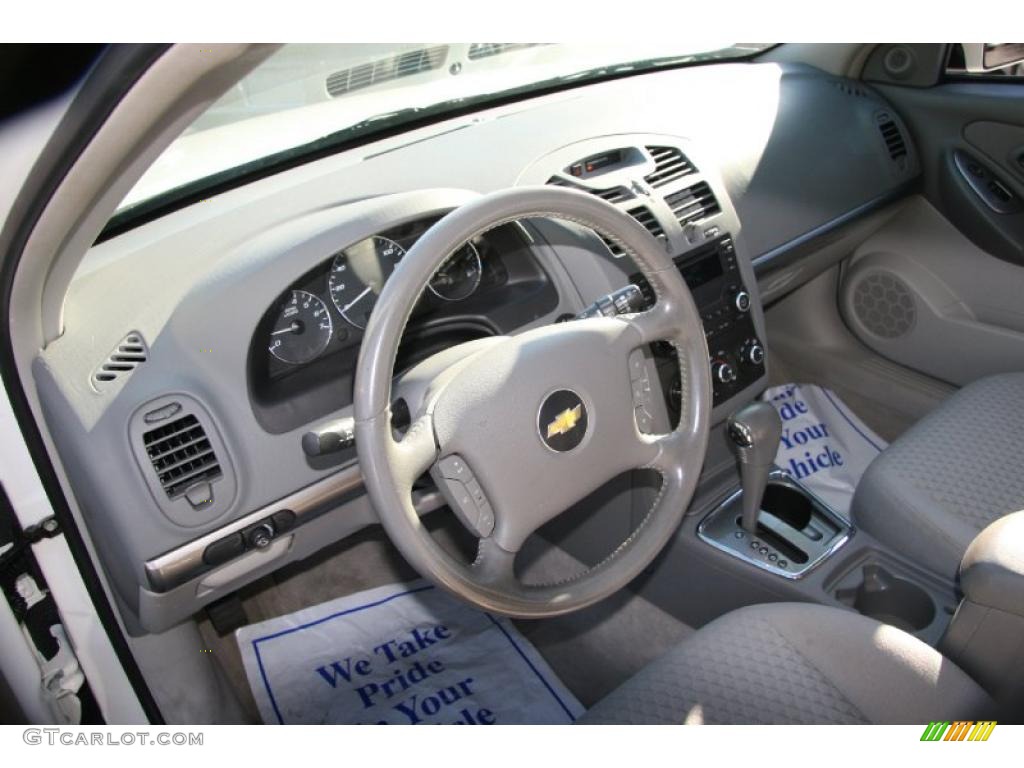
(329, 309)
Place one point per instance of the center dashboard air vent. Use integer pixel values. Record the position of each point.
(693, 203)
(616, 195)
(669, 164)
(181, 455)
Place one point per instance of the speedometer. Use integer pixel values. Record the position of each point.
(358, 274)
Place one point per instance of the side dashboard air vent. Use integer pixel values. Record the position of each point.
(128, 355)
(693, 203)
(181, 455)
(382, 70)
(893, 137)
(670, 164)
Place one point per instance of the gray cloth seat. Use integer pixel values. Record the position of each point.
(796, 663)
(950, 475)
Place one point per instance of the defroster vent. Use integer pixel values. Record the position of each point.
(129, 353)
(181, 455)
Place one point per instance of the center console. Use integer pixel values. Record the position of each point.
(724, 300)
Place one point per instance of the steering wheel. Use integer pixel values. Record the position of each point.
(527, 425)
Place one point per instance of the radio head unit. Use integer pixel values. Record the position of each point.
(736, 353)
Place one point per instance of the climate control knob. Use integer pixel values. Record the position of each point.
(722, 372)
(753, 352)
(742, 301)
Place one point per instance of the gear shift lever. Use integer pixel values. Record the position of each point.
(754, 430)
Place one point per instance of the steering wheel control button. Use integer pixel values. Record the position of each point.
(641, 386)
(637, 365)
(454, 468)
(224, 550)
(562, 420)
(464, 495)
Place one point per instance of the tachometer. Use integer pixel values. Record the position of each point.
(458, 277)
(302, 329)
(358, 274)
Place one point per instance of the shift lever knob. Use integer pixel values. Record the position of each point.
(754, 431)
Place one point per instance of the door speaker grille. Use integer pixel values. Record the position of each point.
(884, 305)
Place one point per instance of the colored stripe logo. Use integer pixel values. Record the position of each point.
(959, 730)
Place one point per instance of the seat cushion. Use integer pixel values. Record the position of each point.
(954, 472)
(795, 663)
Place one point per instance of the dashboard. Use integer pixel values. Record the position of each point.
(203, 347)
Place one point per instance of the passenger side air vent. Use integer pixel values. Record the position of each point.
(892, 136)
(181, 455)
(693, 203)
(670, 164)
(130, 353)
(382, 70)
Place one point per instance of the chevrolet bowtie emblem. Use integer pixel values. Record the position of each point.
(565, 421)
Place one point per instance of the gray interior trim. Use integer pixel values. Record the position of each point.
(176, 567)
(785, 254)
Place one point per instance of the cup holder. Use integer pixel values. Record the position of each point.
(889, 599)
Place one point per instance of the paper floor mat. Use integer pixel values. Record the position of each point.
(824, 445)
(401, 654)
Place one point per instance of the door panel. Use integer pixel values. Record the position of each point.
(985, 122)
(919, 293)
(940, 288)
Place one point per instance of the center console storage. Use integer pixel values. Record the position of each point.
(895, 594)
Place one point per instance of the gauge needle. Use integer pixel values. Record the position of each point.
(290, 329)
(356, 300)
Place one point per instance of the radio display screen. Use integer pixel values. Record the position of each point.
(704, 278)
(702, 272)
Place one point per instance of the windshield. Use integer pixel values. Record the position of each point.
(306, 96)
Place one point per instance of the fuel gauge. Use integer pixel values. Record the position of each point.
(459, 276)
